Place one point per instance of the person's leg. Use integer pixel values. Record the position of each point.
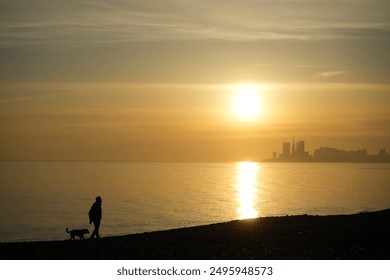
(95, 230)
(97, 226)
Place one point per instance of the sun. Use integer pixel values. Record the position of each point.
(246, 102)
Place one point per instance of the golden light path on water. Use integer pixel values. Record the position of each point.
(247, 190)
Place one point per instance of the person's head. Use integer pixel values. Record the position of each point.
(99, 199)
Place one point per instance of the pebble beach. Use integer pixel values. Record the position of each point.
(360, 236)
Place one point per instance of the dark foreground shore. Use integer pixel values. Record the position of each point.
(359, 236)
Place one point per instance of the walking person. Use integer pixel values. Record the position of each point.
(95, 215)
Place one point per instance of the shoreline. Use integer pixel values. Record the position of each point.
(359, 236)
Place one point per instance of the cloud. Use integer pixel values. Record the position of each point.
(330, 74)
(85, 22)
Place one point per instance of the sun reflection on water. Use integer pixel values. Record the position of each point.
(247, 190)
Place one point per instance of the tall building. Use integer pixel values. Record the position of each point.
(300, 148)
(293, 148)
(286, 149)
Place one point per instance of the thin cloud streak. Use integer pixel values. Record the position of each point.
(90, 22)
(205, 86)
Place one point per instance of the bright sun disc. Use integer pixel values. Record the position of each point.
(246, 104)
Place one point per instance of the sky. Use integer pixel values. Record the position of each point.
(159, 80)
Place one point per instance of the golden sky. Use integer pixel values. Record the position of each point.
(161, 80)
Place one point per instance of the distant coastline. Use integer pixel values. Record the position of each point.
(295, 152)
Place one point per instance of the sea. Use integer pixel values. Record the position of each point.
(40, 199)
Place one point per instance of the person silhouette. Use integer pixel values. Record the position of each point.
(95, 215)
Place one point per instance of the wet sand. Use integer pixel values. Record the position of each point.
(356, 237)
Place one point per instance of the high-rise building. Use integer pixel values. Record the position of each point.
(300, 148)
(286, 149)
(293, 148)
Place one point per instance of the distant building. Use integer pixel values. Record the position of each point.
(325, 154)
(300, 149)
(382, 153)
(286, 149)
(383, 156)
(293, 148)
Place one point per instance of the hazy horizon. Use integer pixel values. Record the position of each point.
(192, 81)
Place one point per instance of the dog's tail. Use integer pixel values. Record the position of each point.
(67, 230)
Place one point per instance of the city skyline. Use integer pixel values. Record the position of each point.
(295, 152)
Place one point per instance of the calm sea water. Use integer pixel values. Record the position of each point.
(40, 199)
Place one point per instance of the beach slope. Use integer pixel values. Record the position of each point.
(357, 236)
